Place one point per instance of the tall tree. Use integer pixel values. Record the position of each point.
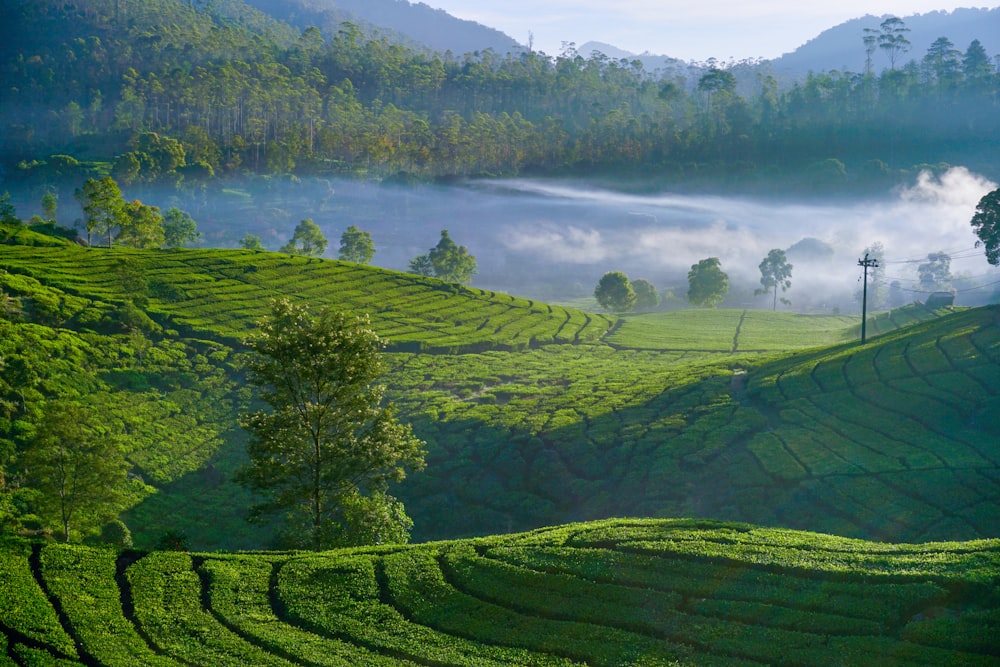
(356, 246)
(307, 239)
(775, 272)
(50, 201)
(452, 262)
(103, 207)
(77, 466)
(614, 292)
(707, 283)
(8, 212)
(325, 451)
(986, 224)
(893, 39)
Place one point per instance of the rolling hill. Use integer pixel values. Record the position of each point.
(637, 592)
(534, 414)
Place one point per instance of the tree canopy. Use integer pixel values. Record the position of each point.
(307, 239)
(324, 452)
(447, 260)
(356, 246)
(986, 224)
(707, 283)
(775, 272)
(646, 296)
(614, 292)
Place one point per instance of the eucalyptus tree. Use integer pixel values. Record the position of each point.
(775, 272)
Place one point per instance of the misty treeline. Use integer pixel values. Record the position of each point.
(237, 91)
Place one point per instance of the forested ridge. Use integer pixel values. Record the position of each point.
(239, 91)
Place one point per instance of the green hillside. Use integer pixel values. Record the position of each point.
(225, 292)
(638, 592)
(534, 415)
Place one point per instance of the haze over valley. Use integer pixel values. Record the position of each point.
(357, 333)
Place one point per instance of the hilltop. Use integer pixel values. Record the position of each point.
(675, 592)
(533, 414)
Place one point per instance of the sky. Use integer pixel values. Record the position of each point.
(721, 29)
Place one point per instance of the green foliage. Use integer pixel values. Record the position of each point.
(707, 283)
(251, 242)
(360, 103)
(307, 239)
(451, 262)
(614, 292)
(327, 448)
(986, 225)
(646, 296)
(104, 209)
(8, 212)
(775, 272)
(179, 229)
(356, 246)
(78, 468)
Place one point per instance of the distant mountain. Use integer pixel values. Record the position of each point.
(841, 47)
(650, 62)
(399, 20)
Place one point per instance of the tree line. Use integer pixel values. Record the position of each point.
(183, 94)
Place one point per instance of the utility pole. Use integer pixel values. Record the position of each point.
(867, 263)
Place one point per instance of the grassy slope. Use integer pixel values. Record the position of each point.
(638, 592)
(224, 292)
(520, 437)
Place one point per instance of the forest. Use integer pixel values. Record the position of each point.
(229, 91)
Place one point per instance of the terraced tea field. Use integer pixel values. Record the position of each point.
(606, 593)
(225, 292)
(896, 440)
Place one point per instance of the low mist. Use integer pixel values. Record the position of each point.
(553, 240)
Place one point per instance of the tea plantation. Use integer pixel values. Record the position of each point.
(638, 592)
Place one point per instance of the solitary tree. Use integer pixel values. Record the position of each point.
(8, 212)
(707, 283)
(142, 226)
(614, 292)
(50, 202)
(356, 246)
(893, 39)
(103, 207)
(307, 239)
(251, 242)
(646, 296)
(986, 223)
(935, 273)
(179, 229)
(775, 272)
(451, 261)
(77, 466)
(325, 451)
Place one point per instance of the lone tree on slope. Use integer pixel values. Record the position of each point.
(775, 272)
(614, 292)
(707, 283)
(356, 246)
(324, 453)
(307, 239)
